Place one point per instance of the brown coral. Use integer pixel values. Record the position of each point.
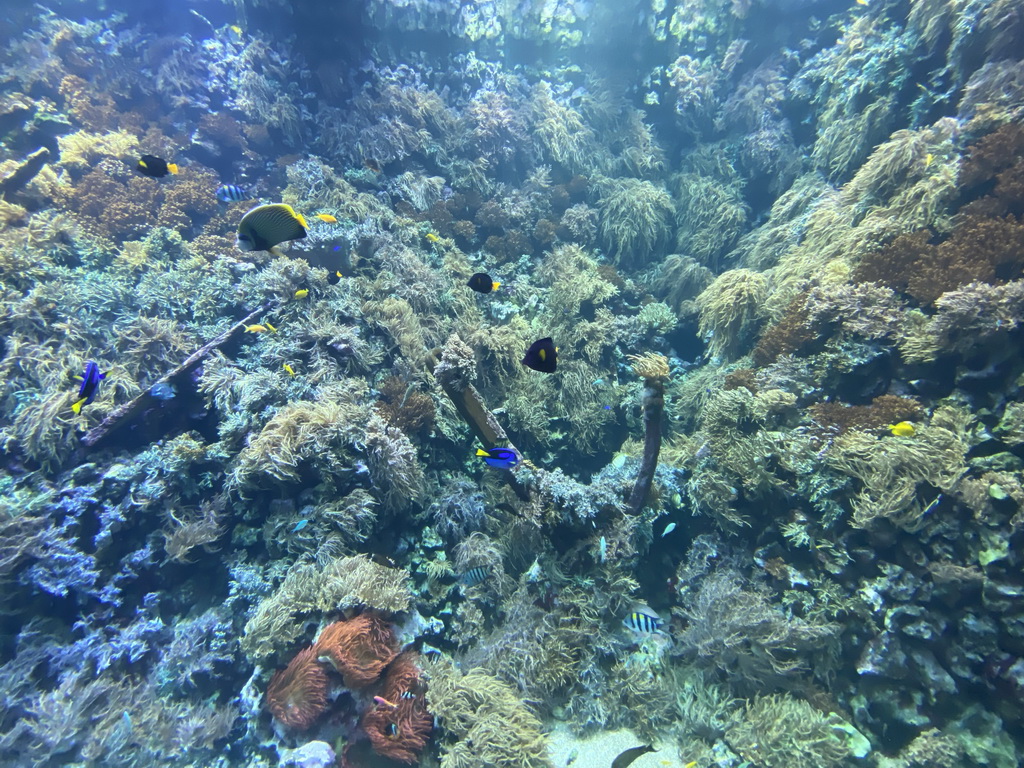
(297, 694)
(793, 333)
(359, 648)
(405, 407)
(400, 732)
(883, 410)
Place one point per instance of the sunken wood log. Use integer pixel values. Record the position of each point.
(124, 413)
(654, 406)
(24, 173)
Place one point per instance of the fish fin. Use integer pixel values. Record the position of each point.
(276, 250)
(77, 406)
(172, 168)
(103, 375)
(270, 327)
(482, 452)
(495, 286)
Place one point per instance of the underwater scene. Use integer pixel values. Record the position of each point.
(512, 384)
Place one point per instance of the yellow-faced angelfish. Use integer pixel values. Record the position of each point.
(541, 356)
(266, 226)
(155, 167)
(327, 217)
(903, 429)
(481, 283)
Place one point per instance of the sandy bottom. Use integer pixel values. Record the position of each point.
(599, 749)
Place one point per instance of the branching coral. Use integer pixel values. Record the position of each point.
(730, 309)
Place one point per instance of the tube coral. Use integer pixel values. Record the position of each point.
(297, 694)
(359, 648)
(400, 733)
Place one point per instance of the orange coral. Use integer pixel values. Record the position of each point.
(297, 694)
(359, 648)
(400, 732)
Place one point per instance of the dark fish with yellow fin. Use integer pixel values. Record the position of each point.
(333, 278)
(627, 757)
(155, 167)
(266, 226)
(541, 356)
(90, 384)
(481, 283)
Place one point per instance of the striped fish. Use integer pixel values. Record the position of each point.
(474, 576)
(644, 623)
(230, 193)
(407, 695)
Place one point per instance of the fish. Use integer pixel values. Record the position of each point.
(668, 529)
(862, 2)
(645, 622)
(155, 167)
(903, 429)
(474, 576)
(542, 356)
(301, 293)
(231, 193)
(333, 278)
(327, 217)
(499, 458)
(265, 227)
(382, 702)
(383, 560)
(236, 29)
(407, 695)
(163, 390)
(90, 384)
(391, 731)
(572, 757)
(300, 525)
(602, 549)
(372, 165)
(929, 159)
(691, 764)
(288, 369)
(628, 756)
(933, 505)
(433, 238)
(261, 328)
(481, 283)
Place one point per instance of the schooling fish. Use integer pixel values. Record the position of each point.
(266, 226)
(481, 283)
(231, 193)
(627, 757)
(474, 576)
(499, 458)
(90, 384)
(541, 356)
(155, 167)
(643, 622)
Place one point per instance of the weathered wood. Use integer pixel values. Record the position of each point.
(133, 407)
(24, 173)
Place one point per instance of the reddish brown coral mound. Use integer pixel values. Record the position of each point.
(297, 694)
(400, 732)
(359, 648)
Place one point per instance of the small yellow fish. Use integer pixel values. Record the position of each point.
(433, 238)
(289, 369)
(261, 328)
(236, 29)
(327, 217)
(301, 293)
(903, 429)
(929, 159)
(690, 764)
(862, 2)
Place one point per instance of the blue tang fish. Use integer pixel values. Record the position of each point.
(500, 458)
(90, 384)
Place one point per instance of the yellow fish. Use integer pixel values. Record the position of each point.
(302, 293)
(327, 217)
(903, 429)
(690, 764)
(862, 2)
(433, 238)
(261, 328)
(289, 369)
(929, 159)
(236, 29)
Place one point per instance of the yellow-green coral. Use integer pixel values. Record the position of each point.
(731, 309)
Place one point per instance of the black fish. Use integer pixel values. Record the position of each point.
(630, 755)
(333, 278)
(156, 167)
(481, 283)
(541, 356)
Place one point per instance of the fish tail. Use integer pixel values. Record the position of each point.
(172, 167)
(77, 406)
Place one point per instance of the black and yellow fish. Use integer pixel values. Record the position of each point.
(89, 385)
(481, 283)
(542, 356)
(155, 167)
(333, 278)
(266, 226)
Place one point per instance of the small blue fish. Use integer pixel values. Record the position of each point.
(163, 390)
(642, 622)
(231, 193)
(90, 384)
(668, 529)
(474, 576)
(300, 525)
(500, 458)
